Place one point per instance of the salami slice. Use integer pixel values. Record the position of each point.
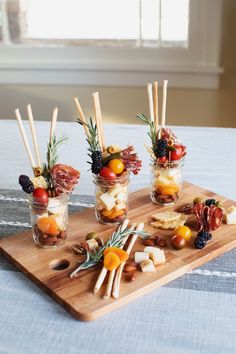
(206, 218)
(216, 219)
(64, 178)
(198, 211)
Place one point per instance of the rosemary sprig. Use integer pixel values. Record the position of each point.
(116, 240)
(52, 157)
(152, 130)
(92, 139)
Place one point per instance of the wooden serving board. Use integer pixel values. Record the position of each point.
(76, 294)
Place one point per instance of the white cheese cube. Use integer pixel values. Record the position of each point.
(230, 215)
(147, 266)
(107, 200)
(156, 255)
(115, 191)
(141, 256)
(93, 245)
(120, 206)
(121, 197)
(163, 181)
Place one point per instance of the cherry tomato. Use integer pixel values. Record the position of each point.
(116, 166)
(40, 195)
(178, 242)
(178, 153)
(106, 172)
(162, 159)
(184, 231)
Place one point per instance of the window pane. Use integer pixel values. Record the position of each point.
(82, 19)
(150, 20)
(174, 20)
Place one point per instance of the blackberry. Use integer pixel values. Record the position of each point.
(160, 150)
(28, 188)
(204, 235)
(96, 161)
(200, 242)
(26, 184)
(23, 179)
(209, 202)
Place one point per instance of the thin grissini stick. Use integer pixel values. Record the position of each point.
(150, 101)
(34, 136)
(98, 119)
(53, 123)
(24, 138)
(116, 284)
(82, 117)
(163, 112)
(104, 271)
(155, 104)
(113, 272)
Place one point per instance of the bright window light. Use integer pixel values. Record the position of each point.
(155, 21)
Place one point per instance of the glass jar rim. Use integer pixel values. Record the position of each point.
(168, 164)
(63, 198)
(99, 179)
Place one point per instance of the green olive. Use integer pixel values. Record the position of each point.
(218, 204)
(198, 200)
(91, 235)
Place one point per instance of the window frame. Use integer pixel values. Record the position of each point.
(195, 67)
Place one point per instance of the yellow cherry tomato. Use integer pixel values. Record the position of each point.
(116, 166)
(184, 231)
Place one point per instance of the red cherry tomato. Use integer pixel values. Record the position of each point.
(178, 153)
(40, 195)
(162, 159)
(106, 172)
(178, 242)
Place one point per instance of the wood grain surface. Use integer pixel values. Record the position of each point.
(76, 294)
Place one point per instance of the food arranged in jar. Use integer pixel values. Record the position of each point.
(110, 166)
(167, 152)
(48, 188)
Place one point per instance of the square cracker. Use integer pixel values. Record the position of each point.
(169, 224)
(166, 216)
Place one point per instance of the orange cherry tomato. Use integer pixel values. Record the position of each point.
(116, 166)
(184, 231)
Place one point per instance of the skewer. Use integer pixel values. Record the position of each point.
(34, 137)
(24, 138)
(82, 117)
(116, 284)
(53, 123)
(150, 101)
(104, 271)
(155, 105)
(98, 119)
(163, 112)
(113, 272)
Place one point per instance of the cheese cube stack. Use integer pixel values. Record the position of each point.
(147, 266)
(230, 215)
(107, 200)
(141, 256)
(156, 255)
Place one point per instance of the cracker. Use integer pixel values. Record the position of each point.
(169, 225)
(167, 216)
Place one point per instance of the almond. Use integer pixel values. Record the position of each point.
(130, 277)
(129, 268)
(148, 242)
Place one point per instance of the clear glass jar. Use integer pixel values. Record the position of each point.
(166, 182)
(111, 199)
(49, 221)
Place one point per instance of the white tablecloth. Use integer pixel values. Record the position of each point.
(171, 319)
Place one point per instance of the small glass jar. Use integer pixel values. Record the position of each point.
(166, 182)
(49, 221)
(111, 199)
